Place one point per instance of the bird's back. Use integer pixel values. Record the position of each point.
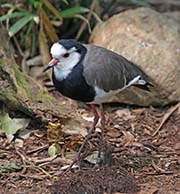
(110, 71)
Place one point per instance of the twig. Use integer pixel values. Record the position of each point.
(159, 173)
(83, 26)
(155, 173)
(25, 55)
(86, 22)
(157, 168)
(18, 46)
(96, 17)
(44, 160)
(24, 67)
(44, 171)
(23, 160)
(166, 116)
(38, 149)
(37, 177)
(38, 168)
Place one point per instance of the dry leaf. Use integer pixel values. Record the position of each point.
(114, 133)
(25, 134)
(48, 26)
(92, 158)
(44, 48)
(74, 143)
(35, 61)
(125, 114)
(128, 138)
(177, 146)
(75, 127)
(19, 142)
(52, 9)
(149, 190)
(54, 133)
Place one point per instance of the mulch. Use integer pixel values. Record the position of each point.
(140, 155)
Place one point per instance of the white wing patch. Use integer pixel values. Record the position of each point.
(102, 96)
(137, 80)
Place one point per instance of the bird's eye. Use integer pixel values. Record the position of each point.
(66, 55)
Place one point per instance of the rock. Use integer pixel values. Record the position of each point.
(167, 3)
(151, 40)
(164, 5)
(174, 14)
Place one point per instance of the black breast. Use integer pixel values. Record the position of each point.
(75, 86)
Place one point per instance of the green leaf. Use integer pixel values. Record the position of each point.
(9, 167)
(68, 13)
(7, 5)
(13, 15)
(54, 149)
(36, 3)
(13, 6)
(19, 24)
(66, 2)
(8, 125)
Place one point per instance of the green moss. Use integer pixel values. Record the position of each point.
(3, 63)
(8, 96)
(52, 102)
(21, 81)
(45, 97)
(24, 88)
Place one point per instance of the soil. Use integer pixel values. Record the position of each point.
(135, 159)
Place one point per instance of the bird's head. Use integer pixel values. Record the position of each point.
(65, 53)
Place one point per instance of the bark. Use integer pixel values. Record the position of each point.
(20, 92)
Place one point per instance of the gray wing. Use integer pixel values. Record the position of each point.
(110, 71)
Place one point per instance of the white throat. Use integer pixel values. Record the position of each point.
(65, 66)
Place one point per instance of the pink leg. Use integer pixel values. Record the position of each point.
(102, 133)
(103, 121)
(96, 118)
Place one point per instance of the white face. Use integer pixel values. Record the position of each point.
(67, 60)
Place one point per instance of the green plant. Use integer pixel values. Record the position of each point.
(35, 21)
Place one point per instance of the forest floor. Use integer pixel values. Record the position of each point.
(136, 157)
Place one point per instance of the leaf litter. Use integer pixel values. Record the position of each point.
(138, 160)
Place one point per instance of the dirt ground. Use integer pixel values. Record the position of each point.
(135, 157)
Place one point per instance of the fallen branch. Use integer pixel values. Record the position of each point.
(166, 117)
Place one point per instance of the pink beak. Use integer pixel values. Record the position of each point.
(51, 64)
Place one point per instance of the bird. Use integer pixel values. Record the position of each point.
(92, 74)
